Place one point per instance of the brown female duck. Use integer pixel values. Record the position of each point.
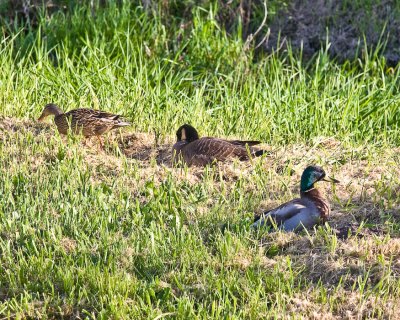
(89, 122)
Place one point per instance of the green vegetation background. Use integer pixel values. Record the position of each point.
(161, 70)
(82, 236)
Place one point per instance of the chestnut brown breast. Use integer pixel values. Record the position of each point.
(319, 200)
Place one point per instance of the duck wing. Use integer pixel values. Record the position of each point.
(105, 115)
(85, 113)
(94, 122)
(243, 143)
(247, 144)
(206, 150)
(115, 119)
(280, 214)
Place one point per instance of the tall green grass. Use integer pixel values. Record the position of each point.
(125, 60)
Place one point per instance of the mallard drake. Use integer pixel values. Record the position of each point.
(305, 212)
(202, 151)
(89, 122)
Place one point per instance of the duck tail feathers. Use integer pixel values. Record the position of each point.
(249, 143)
(258, 223)
(122, 124)
(257, 217)
(259, 153)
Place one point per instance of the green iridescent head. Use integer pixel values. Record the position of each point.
(311, 175)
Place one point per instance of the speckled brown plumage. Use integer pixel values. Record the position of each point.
(89, 122)
(202, 151)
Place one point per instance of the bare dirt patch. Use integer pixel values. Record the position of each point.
(309, 25)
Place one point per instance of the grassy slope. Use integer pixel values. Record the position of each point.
(105, 233)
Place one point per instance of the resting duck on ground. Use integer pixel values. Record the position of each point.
(304, 212)
(202, 151)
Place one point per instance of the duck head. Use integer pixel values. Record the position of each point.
(50, 109)
(187, 133)
(311, 175)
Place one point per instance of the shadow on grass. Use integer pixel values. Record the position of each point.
(365, 217)
(143, 148)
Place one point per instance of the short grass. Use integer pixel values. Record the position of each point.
(119, 233)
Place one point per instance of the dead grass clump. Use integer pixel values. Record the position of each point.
(69, 245)
(304, 305)
(12, 125)
(370, 248)
(142, 147)
(374, 258)
(290, 243)
(342, 305)
(241, 260)
(353, 305)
